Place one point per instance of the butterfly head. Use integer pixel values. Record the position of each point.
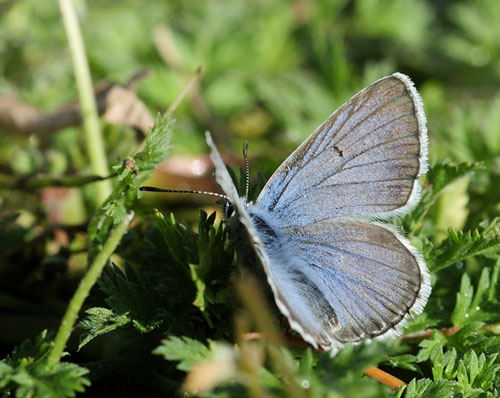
(227, 207)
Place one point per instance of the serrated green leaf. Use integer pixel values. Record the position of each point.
(100, 321)
(181, 242)
(438, 364)
(405, 361)
(463, 302)
(443, 173)
(157, 145)
(458, 246)
(439, 176)
(473, 304)
(133, 172)
(476, 373)
(481, 289)
(425, 388)
(128, 294)
(185, 350)
(199, 301)
(431, 347)
(449, 360)
(493, 293)
(26, 373)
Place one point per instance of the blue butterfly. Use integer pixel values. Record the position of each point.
(337, 274)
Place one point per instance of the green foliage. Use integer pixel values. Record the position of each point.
(348, 366)
(439, 176)
(131, 174)
(444, 173)
(184, 350)
(459, 245)
(185, 288)
(11, 234)
(100, 321)
(26, 374)
(425, 388)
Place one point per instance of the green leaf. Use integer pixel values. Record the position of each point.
(307, 361)
(443, 364)
(438, 177)
(156, 147)
(100, 321)
(185, 350)
(26, 374)
(474, 304)
(354, 359)
(405, 361)
(443, 173)
(449, 361)
(205, 258)
(477, 373)
(493, 293)
(458, 246)
(431, 347)
(463, 303)
(181, 241)
(63, 380)
(425, 388)
(132, 173)
(128, 294)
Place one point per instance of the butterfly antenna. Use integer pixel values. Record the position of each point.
(155, 189)
(247, 170)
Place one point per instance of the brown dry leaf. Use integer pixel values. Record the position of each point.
(124, 107)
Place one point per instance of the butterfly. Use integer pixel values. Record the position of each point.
(337, 273)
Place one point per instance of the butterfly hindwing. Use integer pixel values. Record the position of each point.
(369, 274)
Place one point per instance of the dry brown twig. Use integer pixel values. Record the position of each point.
(118, 104)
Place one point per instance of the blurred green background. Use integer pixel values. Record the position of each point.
(273, 70)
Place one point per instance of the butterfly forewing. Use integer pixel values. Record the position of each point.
(363, 161)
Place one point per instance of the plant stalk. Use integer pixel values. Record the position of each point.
(83, 289)
(93, 135)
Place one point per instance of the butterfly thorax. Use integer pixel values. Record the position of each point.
(268, 231)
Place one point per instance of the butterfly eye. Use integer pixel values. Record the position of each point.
(228, 209)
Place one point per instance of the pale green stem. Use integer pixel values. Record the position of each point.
(93, 136)
(83, 289)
